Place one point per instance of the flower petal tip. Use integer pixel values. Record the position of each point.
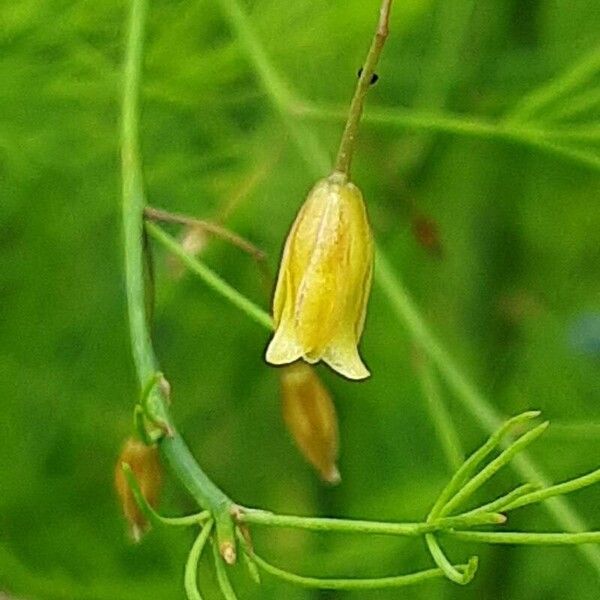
(282, 349)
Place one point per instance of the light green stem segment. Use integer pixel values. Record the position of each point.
(172, 446)
(529, 539)
(351, 584)
(452, 573)
(260, 517)
(559, 489)
(491, 469)
(190, 578)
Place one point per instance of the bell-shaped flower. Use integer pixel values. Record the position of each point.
(324, 281)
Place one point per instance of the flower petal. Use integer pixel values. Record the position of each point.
(342, 356)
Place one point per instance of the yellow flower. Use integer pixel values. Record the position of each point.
(310, 416)
(145, 466)
(324, 281)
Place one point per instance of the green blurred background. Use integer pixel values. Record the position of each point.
(507, 275)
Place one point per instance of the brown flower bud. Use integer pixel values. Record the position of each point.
(310, 416)
(145, 466)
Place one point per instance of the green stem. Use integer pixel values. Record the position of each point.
(211, 278)
(561, 488)
(451, 572)
(530, 539)
(492, 468)
(222, 576)
(475, 459)
(348, 141)
(190, 578)
(172, 447)
(350, 584)
(501, 504)
(264, 518)
(150, 514)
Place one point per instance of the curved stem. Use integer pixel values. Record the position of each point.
(350, 584)
(450, 571)
(190, 578)
(348, 141)
(172, 446)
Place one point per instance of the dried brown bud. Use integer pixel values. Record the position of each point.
(310, 416)
(145, 466)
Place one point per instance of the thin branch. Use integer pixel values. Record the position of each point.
(350, 584)
(440, 415)
(348, 141)
(450, 571)
(329, 525)
(529, 539)
(190, 578)
(156, 214)
(559, 489)
(501, 503)
(211, 278)
(150, 514)
(492, 468)
(475, 459)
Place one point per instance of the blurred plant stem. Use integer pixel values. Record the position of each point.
(438, 412)
(172, 446)
(556, 89)
(210, 277)
(550, 141)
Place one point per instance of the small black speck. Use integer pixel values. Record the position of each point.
(374, 77)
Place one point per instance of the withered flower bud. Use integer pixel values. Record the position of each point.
(324, 281)
(145, 466)
(310, 416)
